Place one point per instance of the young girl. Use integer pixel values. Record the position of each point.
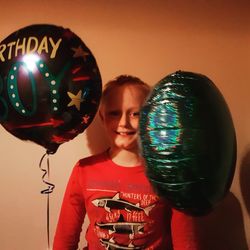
(111, 187)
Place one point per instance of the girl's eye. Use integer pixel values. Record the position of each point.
(134, 114)
(113, 113)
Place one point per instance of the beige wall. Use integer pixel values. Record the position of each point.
(149, 39)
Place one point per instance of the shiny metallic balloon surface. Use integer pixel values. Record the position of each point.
(50, 85)
(188, 142)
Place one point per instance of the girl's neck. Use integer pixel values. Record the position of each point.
(125, 158)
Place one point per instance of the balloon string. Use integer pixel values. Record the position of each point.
(47, 191)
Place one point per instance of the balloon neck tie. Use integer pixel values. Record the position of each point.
(48, 190)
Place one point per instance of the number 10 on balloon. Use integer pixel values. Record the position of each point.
(28, 65)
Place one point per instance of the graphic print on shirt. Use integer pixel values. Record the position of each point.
(111, 245)
(125, 220)
(116, 203)
(123, 227)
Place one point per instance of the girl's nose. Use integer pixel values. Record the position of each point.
(124, 120)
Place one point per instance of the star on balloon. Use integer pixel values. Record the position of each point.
(79, 52)
(75, 99)
(68, 34)
(85, 119)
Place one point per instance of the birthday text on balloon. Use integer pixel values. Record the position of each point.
(29, 45)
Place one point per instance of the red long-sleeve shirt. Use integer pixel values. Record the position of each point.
(123, 210)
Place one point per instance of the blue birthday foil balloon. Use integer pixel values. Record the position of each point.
(188, 142)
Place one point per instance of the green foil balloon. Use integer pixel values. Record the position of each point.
(188, 142)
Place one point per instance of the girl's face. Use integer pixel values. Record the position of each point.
(120, 115)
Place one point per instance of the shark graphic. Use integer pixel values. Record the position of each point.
(112, 245)
(123, 227)
(116, 203)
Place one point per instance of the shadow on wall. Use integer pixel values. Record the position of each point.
(223, 229)
(96, 136)
(245, 179)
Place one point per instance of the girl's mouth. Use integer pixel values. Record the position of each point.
(125, 132)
